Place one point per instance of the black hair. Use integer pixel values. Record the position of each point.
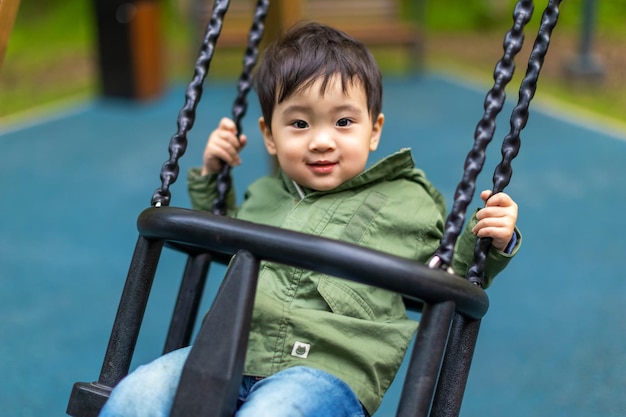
(309, 52)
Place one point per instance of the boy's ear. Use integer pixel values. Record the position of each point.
(377, 131)
(268, 139)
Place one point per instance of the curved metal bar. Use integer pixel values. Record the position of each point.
(494, 101)
(227, 235)
(187, 115)
(519, 117)
(240, 106)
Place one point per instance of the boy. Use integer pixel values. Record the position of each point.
(320, 346)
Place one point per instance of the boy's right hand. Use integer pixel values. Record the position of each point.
(222, 147)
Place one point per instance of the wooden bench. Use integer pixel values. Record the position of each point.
(376, 23)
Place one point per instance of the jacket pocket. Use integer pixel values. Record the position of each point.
(344, 300)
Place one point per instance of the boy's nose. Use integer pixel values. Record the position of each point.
(322, 141)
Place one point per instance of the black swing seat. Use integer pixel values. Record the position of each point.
(451, 309)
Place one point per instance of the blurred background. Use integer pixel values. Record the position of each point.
(87, 106)
(52, 53)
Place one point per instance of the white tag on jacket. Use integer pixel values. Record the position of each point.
(300, 350)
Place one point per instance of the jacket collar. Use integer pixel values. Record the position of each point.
(390, 167)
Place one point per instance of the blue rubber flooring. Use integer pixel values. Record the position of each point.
(552, 344)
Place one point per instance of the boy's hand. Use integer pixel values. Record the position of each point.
(497, 219)
(222, 147)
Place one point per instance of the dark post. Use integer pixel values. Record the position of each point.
(586, 64)
(129, 48)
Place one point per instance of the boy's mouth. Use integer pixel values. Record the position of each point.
(322, 167)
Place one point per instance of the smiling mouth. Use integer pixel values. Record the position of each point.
(322, 167)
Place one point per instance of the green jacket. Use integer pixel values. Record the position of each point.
(356, 332)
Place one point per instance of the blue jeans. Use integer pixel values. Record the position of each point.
(300, 391)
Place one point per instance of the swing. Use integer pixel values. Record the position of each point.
(451, 308)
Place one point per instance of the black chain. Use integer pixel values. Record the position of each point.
(475, 159)
(483, 134)
(519, 117)
(187, 115)
(240, 106)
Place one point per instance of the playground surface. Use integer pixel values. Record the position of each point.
(552, 344)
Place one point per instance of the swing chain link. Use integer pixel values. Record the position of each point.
(187, 115)
(483, 134)
(474, 162)
(240, 105)
(519, 117)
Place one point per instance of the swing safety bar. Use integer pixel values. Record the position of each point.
(327, 256)
(450, 307)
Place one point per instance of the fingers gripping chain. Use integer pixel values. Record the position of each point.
(528, 87)
(519, 118)
(486, 127)
(240, 106)
(187, 115)
(494, 101)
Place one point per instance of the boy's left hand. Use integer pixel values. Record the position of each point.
(497, 219)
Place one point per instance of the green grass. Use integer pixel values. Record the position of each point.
(51, 26)
(51, 54)
(477, 15)
(604, 98)
(46, 36)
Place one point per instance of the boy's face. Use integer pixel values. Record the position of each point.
(323, 140)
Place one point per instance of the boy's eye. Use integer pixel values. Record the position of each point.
(344, 122)
(300, 124)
